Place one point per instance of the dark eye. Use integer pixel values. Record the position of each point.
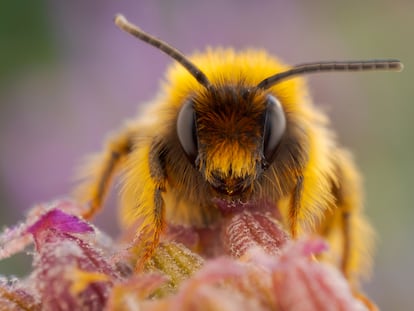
(187, 132)
(274, 127)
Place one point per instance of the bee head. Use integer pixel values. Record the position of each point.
(230, 134)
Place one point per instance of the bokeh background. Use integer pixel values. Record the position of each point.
(68, 76)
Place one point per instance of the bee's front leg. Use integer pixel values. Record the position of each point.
(295, 207)
(97, 173)
(142, 201)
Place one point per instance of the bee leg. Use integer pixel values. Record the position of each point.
(347, 204)
(147, 237)
(151, 210)
(344, 226)
(295, 207)
(345, 229)
(99, 170)
(346, 243)
(349, 257)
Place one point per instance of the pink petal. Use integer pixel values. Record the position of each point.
(251, 229)
(200, 291)
(60, 221)
(41, 217)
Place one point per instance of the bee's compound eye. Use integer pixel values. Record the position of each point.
(274, 128)
(186, 130)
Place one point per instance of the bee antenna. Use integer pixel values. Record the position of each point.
(368, 65)
(125, 25)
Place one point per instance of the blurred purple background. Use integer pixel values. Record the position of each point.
(68, 77)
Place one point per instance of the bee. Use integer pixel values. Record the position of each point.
(234, 128)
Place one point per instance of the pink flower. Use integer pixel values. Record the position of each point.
(248, 262)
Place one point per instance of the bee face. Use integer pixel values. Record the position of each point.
(230, 134)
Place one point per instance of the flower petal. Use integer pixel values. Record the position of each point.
(251, 229)
(60, 221)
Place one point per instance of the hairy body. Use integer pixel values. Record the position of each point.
(309, 179)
